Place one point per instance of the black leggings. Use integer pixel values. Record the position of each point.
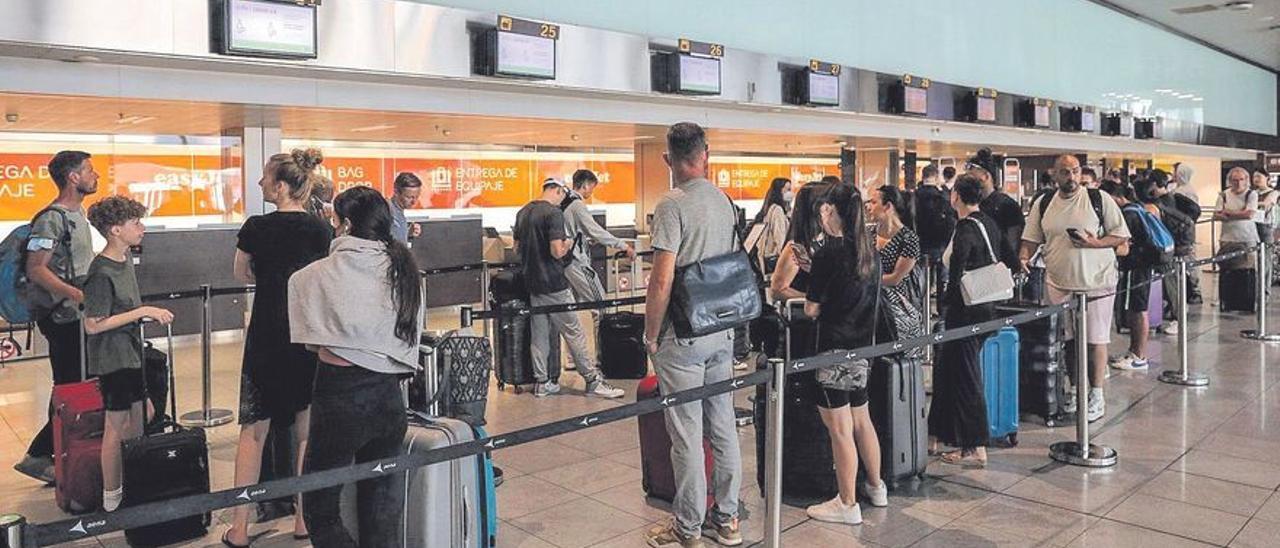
(356, 416)
(64, 359)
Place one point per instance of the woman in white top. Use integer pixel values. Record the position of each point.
(772, 224)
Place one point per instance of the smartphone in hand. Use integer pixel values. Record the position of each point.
(1074, 234)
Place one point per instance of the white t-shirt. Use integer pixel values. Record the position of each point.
(1239, 230)
(1068, 267)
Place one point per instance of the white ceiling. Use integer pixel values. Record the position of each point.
(1243, 33)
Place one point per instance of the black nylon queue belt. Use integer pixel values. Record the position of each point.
(197, 293)
(70, 530)
(471, 314)
(466, 268)
(1223, 256)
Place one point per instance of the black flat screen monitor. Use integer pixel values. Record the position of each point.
(264, 28)
(822, 89)
(525, 56)
(915, 100)
(986, 109)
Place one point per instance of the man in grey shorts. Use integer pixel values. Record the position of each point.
(693, 222)
(583, 229)
(542, 245)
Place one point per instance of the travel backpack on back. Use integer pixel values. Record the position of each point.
(20, 300)
(1156, 244)
(935, 218)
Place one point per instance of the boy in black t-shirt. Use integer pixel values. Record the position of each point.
(112, 305)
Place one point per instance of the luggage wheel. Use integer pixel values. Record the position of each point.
(1050, 423)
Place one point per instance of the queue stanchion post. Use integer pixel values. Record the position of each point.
(773, 455)
(926, 312)
(207, 416)
(484, 297)
(1213, 244)
(1260, 311)
(1183, 375)
(13, 528)
(1081, 452)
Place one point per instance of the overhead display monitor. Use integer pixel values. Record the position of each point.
(824, 89)
(525, 49)
(1088, 122)
(986, 109)
(693, 70)
(915, 100)
(1042, 116)
(264, 28)
(1033, 113)
(699, 75)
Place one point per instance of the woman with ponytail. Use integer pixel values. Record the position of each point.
(361, 309)
(844, 286)
(275, 379)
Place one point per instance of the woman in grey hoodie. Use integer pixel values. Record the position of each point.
(361, 310)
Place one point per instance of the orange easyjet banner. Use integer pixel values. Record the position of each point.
(169, 185)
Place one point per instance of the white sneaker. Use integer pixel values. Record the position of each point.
(546, 389)
(1128, 362)
(1097, 406)
(111, 499)
(878, 496)
(740, 366)
(601, 389)
(1169, 327)
(834, 511)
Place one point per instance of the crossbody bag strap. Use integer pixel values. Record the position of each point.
(990, 250)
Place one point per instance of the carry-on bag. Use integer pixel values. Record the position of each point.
(808, 470)
(657, 477)
(450, 503)
(898, 410)
(166, 466)
(515, 356)
(78, 416)
(621, 337)
(1238, 290)
(461, 363)
(1042, 374)
(78, 419)
(1000, 383)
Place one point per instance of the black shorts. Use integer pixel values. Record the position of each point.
(121, 389)
(1135, 288)
(827, 398)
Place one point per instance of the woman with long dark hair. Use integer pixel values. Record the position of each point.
(844, 286)
(772, 224)
(275, 379)
(361, 309)
(958, 414)
(790, 279)
(899, 246)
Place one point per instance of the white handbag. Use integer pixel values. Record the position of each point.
(987, 284)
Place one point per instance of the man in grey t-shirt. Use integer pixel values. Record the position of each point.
(693, 222)
(58, 256)
(408, 188)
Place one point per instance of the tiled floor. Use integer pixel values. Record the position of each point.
(1197, 466)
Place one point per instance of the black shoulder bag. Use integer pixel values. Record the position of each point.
(715, 294)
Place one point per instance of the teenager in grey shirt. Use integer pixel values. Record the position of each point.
(580, 227)
(693, 222)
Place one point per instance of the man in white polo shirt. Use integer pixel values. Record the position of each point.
(1080, 230)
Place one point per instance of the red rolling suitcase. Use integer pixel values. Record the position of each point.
(78, 416)
(658, 479)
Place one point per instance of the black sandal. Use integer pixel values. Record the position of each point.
(230, 544)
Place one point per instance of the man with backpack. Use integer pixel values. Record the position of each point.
(1179, 214)
(1150, 249)
(1183, 198)
(1080, 230)
(935, 221)
(582, 229)
(57, 257)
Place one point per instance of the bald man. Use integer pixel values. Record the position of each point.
(1081, 263)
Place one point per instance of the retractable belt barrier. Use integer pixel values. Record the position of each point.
(468, 314)
(197, 293)
(77, 528)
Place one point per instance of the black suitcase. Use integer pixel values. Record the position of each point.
(621, 340)
(1042, 364)
(515, 359)
(741, 342)
(897, 404)
(166, 466)
(1238, 290)
(808, 470)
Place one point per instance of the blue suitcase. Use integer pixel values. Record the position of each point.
(1000, 383)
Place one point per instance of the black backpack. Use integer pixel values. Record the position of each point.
(1187, 206)
(1182, 227)
(935, 218)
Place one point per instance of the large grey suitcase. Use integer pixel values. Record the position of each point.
(897, 405)
(448, 503)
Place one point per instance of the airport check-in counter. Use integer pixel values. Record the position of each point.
(450, 242)
(183, 260)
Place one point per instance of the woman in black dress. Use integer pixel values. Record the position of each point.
(277, 376)
(958, 413)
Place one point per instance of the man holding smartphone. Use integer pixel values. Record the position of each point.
(1080, 230)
